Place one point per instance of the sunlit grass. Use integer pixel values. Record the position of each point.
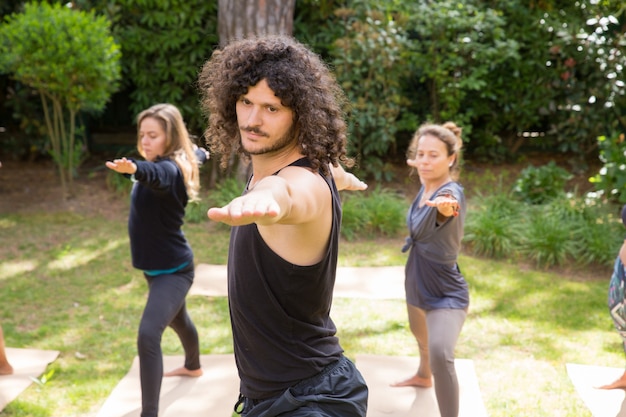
(67, 284)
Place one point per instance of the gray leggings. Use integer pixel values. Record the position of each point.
(165, 307)
(437, 332)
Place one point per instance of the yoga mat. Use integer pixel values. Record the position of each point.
(213, 394)
(385, 401)
(27, 364)
(601, 403)
(386, 282)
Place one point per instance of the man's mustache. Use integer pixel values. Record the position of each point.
(254, 130)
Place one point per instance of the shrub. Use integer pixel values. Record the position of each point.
(611, 180)
(368, 64)
(548, 240)
(494, 228)
(196, 211)
(117, 183)
(367, 214)
(598, 233)
(225, 191)
(537, 185)
(72, 61)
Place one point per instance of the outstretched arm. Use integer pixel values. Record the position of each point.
(294, 196)
(346, 180)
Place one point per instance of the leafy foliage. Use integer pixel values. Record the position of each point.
(376, 212)
(367, 60)
(537, 185)
(454, 47)
(491, 228)
(611, 180)
(71, 59)
(164, 44)
(562, 230)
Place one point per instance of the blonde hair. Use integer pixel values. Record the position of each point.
(178, 145)
(449, 133)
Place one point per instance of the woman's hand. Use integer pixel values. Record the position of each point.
(123, 166)
(447, 206)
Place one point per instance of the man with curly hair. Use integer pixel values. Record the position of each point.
(274, 102)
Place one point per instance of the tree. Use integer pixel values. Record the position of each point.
(72, 61)
(242, 18)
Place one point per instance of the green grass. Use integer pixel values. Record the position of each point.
(66, 283)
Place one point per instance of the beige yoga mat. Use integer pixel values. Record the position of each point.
(385, 282)
(27, 364)
(601, 403)
(213, 394)
(387, 401)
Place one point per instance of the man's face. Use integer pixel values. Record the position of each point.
(265, 124)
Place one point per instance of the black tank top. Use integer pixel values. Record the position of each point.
(279, 311)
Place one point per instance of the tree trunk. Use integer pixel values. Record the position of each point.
(238, 19)
(241, 18)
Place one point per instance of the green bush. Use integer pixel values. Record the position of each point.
(369, 67)
(493, 229)
(548, 240)
(225, 191)
(72, 61)
(611, 180)
(537, 185)
(196, 212)
(598, 233)
(375, 212)
(118, 183)
(164, 43)
(566, 230)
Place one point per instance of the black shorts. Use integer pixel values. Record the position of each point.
(339, 390)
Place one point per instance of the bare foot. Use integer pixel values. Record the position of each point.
(6, 369)
(182, 371)
(414, 381)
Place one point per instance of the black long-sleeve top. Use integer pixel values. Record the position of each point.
(158, 201)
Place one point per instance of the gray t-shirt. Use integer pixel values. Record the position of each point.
(432, 277)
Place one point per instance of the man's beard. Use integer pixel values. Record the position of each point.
(282, 142)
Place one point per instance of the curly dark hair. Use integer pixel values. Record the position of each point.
(296, 75)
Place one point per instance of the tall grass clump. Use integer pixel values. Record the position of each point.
(600, 232)
(548, 240)
(492, 227)
(376, 212)
(564, 229)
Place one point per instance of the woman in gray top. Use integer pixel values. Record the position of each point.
(436, 292)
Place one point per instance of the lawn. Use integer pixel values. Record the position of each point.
(66, 283)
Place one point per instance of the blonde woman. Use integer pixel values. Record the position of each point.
(163, 184)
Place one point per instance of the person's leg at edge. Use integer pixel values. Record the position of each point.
(444, 328)
(166, 297)
(5, 366)
(618, 314)
(417, 323)
(619, 383)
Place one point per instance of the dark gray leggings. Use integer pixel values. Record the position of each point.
(444, 327)
(165, 307)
